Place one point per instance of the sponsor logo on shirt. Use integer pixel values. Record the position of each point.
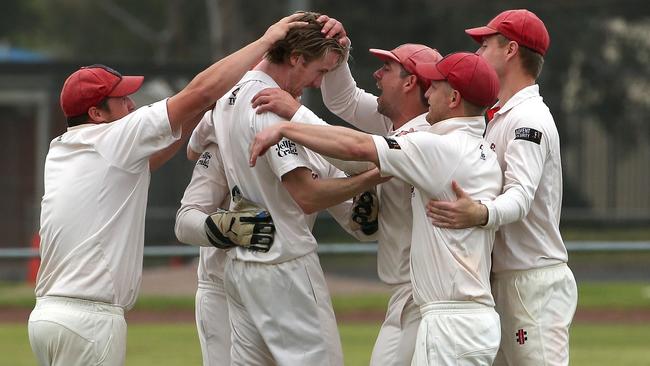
(482, 153)
(493, 147)
(204, 160)
(286, 147)
(528, 134)
(233, 96)
(392, 143)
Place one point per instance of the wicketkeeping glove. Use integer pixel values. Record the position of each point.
(365, 210)
(246, 225)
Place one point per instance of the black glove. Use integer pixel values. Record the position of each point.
(365, 210)
(246, 225)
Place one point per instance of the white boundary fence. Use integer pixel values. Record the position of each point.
(345, 248)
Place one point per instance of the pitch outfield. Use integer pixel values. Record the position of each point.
(177, 344)
(612, 327)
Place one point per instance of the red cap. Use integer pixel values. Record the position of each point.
(520, 25)
(89, 85)
(468, 73)
(409, 55)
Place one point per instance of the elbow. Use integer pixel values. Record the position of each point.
(307, 205)
(360, 151)
(308, 208)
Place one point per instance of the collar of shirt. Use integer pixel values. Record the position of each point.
(416, 124)
(78, 127)
(471, 125)
(256, 75)
(519, 97)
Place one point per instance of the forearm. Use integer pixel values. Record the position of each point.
(352, 104)
(511, 206)
(161, 157)
(189, 227)
(325, 193)
(337, 142)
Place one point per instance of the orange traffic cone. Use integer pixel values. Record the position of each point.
(34, 262)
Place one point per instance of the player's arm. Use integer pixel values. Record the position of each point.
(201, 221)
(337, 142)
(357, 216)
(525, 157)
(281, 103)
(207, 192)
(185, 109)
(313, 195)
(344, 98)
(202, 136)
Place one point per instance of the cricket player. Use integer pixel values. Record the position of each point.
(93, 209)
(534, 289)
(208, 192)
(203, 207)
(449, 269)
(279, 306)
(400, 108)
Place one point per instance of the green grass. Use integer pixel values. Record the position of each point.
(614, 295)
(604, 295)
(177, 344)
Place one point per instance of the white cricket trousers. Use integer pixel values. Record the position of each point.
(281, 314)
(536, 308)
(72, 332)
(213, 323)
(396, 340)
(457, 333)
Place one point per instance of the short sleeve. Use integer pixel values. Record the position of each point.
(419, 158)
(130, 141)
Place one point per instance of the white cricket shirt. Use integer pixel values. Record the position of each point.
(93, 209)
(527, 214)
(446, 265)
(359, 108)
(206, 192)
(236, 124)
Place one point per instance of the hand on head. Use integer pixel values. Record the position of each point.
(280, 29)
(332, 28)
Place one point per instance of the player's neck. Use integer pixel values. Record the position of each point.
(408, 110)
(277, 72)
(511, 84)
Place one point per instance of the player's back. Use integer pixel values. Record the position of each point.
(236, 124)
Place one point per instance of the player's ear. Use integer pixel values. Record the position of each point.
(454, 98)
(95, 114)
(410, 82)
(294, 59)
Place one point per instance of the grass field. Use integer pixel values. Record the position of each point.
(177, 344)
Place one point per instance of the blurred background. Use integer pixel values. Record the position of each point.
(596, 81)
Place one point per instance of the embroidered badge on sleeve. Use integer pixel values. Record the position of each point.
(528, 134)
(392, 143)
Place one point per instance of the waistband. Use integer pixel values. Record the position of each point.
(510, 274)
(450, 307)
(84, 305)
